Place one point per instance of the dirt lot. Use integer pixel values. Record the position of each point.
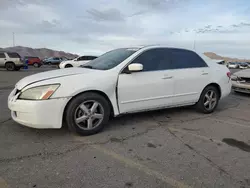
(167, 148)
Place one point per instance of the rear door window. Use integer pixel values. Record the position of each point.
(90, 57)
(182, 59)
(82, 58)
(13, 55)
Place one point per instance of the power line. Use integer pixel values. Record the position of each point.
(13, 39)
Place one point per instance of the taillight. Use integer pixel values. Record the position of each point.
(229, 74)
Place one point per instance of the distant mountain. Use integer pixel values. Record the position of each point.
(213, 55)
(38, 52)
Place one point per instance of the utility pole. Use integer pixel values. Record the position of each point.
(195, 41)
(13, 39)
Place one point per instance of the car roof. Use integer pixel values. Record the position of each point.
(160, 46)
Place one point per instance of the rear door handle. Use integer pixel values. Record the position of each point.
(167, 77)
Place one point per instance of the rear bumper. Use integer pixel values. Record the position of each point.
(20, 65)
(32, 63)
(241, 87)
(226, 89)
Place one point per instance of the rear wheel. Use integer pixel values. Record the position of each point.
(68, 66)
(87, 113)
(208, 100)
(36, 65)
(10, 66)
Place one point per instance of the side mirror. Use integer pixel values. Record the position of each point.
(135, 67)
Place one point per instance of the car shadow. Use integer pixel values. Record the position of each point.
(241, 94)
(163, 116)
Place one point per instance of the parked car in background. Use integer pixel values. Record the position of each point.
(52, 61)
(220, 62)
(248, 63)
(76, 62)
(233, 65)
(34, 61)
(11, 61)
(241, 81)
(121, 81)
(243, 65)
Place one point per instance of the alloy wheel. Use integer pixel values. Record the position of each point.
(210, 100)
(89, 115)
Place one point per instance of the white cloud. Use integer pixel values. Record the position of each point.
(99, 25)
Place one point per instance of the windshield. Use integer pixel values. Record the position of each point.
(110, 59)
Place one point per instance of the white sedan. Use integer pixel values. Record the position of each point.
(76, 62)
(233, 65)
(121, 81)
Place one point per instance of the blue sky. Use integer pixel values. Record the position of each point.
(95, 26)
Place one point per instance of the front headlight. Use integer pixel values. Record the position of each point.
(39, 92)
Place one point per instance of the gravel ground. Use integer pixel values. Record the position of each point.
(167, 148)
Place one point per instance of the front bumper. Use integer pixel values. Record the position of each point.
(43, 114)
(241, 87)
(61, 65)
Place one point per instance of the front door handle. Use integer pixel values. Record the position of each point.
(167, 77)
(204, 73)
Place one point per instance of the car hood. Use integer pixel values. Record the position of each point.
(50, 75)
(243, 73)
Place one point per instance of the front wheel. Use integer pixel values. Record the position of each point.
(68, 66)
(87, 113)
(208, 100)
(36, 65)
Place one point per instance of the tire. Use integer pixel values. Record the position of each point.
(10, 66)
(68, 66)
(36, 65)
(82, 106)
(208, 105)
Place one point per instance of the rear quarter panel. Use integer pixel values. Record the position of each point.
(219, 76)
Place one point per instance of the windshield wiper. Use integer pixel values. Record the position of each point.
(87, 66)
